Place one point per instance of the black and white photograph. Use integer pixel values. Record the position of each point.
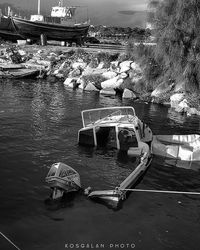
(99, 124)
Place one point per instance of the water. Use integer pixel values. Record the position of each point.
(39, 122)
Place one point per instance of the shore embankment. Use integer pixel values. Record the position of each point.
(109, 72)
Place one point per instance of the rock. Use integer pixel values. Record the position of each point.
(192, 111)
(79, 65)
(101, 65)
(70, 83)
(75, 73)
(90, 87)
(119, 83)
(93, 71)
(108, 91)
(161, 89)
(123, 75)
(135, 67)
(179, 87)
(176, 99)
(124, 69)
(22, 52)
(109, 75)
(111, 83)
(128, 94)
(125, 64)
(182, 106)
(114, 64)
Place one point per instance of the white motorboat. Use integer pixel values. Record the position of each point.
(120, 128)
(62, 179)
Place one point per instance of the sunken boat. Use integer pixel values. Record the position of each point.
(119, 128)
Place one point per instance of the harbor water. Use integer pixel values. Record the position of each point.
(39, 123)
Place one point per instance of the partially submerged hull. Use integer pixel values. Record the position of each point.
(59, 32)
(113, 197)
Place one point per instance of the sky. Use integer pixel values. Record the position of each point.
(122, 13)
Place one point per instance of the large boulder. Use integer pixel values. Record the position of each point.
(79, 65)
(109, 75)
(111, 83)
(90, 87)
(176, 99)
(71, 82)
(93, 71)
(135, 67)
(128, 94)
(161, 89)
(179, 87)
(192, 111)
(126, 64)
(182, 106)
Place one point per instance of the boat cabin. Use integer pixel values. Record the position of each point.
(115, 127)
(65, 12)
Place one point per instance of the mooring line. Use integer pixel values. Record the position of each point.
(160, 191)
(10, 241)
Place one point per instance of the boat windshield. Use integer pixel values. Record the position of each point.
(112, 114)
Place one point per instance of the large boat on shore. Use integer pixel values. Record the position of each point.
(7, 31)
(61, 25)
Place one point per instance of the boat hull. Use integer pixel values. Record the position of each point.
(7, 30)
(18, 73)
(58, 32)
(113, 197)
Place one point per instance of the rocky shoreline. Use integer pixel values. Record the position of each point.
(103, 72)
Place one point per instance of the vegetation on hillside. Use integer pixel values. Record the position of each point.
(176, 58)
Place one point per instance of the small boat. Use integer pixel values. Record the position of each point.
(116, 127)
(17, 73)
(60, 26)
(11, 66)
(120, 128)
(62, 179)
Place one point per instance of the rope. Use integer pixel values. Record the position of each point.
(160, 191)
(10, 241)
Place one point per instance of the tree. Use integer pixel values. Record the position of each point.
(177, 30)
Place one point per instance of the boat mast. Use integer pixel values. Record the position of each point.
(38, 7)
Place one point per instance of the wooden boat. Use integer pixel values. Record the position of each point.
(10, 66)
(60, 26)
(7, 30)
(62, 178)
(17, 73)
(120, 128)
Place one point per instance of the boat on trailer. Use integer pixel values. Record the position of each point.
(62, 178)
(120, 128)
